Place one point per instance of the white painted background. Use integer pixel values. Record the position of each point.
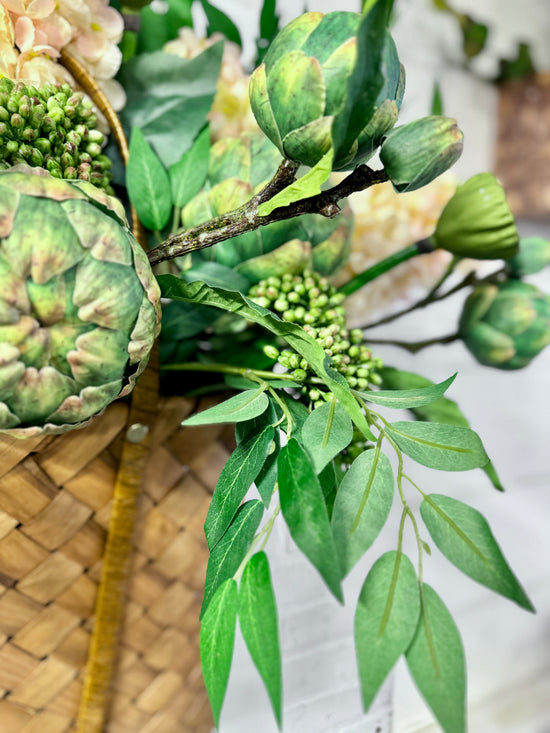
(508, 650)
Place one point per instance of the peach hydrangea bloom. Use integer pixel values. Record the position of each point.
(231, 113)
(33, 32)
(386, 222)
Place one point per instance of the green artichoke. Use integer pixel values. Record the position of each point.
(301, 85)
(477, 221)
(238, 168)
(533, 256)
(506, 326)
(54, 128)
(413, 155)
(79, 305)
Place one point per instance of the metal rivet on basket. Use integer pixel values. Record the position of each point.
(137, 432)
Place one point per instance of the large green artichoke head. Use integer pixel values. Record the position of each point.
(301, 85)
(79, 305)
(238, 168)
(506, 326)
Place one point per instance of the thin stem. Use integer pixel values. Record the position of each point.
(193, 366)
(246, 219)
(265, 533)
(418, 248)
(414, 346)
(469, 280)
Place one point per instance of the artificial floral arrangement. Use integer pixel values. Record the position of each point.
(243, 239)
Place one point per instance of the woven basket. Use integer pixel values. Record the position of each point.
(56, 496)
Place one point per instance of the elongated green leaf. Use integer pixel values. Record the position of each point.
(212, 273)
(219, 22)
(306, 186)
(295, 336)
(367, 488)
(148, 183)
(188, 175)
(269, 26)
(327, 431)
(366, 79)
(408, 398)
(235, 479)
(445, 447)
(305, 513)
(437, 100)
(436, 662)
(242, 406)
(464, 537)
(258, 621)
(169, 98)
(385, 620)
(156, 29)
(442, 410)
(217, 639)
(230, 551)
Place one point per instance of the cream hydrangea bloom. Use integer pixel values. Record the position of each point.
(386, 222)
(231, 113)
(33, 32)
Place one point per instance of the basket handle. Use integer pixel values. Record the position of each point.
(104, 642)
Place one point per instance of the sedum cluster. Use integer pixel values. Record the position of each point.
(312, 302)
(54, 128)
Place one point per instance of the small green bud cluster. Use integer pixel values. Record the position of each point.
(52, 127)
(310, 301)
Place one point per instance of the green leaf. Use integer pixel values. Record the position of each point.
(326, 431)
(188, 175)
(437, 101)
(258, 621)
(169, 98)
(296, 337)
(385, 620)
(304, 510)
(148, 183)
(442, 410)
(365, 81)
(226, 558)
(219, 276)
(242, 406)
(219, 22)
(366, 490)
(217, 639)
(236, 478)
(269, 27)
(400, 398)
(444, 447)
(436, 662)
(156, 28)
(306, 186)
(464, 537)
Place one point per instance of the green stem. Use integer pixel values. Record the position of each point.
(414, 346)
(265, 532)
(194, 366)
(418, 248)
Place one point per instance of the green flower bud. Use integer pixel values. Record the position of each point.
(272, 352)
(417, 153)
(299, 375)
(477, 221)
(302, 84)
(506, 326)
(533, 256)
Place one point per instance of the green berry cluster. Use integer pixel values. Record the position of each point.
(54, 128)
(313, 303)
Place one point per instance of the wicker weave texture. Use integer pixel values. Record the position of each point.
(55, 499)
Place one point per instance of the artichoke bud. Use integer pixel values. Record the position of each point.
(79, 306)
(533, 256)
(506, 326)
(417, 153)
(477, 221)
(301, 86)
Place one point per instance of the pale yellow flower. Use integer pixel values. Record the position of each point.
(33, 32)
(386, 222)
(231, 113)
